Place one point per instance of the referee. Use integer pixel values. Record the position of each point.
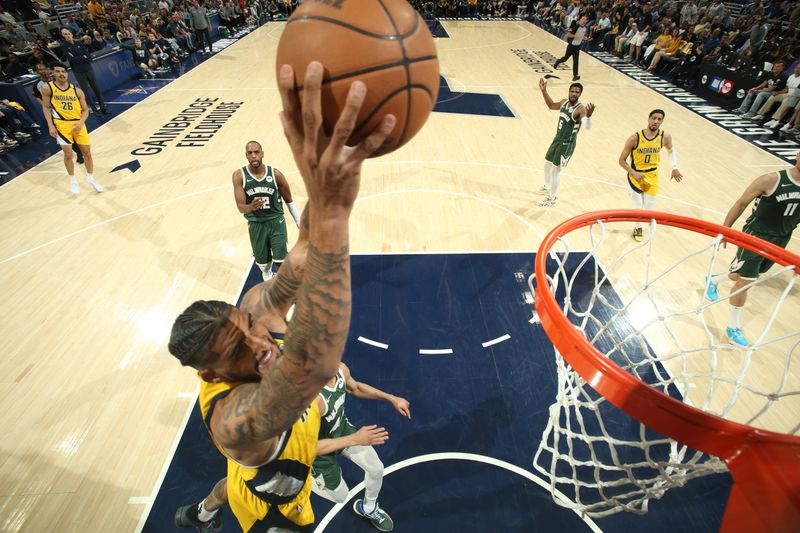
(575, 35)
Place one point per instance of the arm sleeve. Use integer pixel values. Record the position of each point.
(295, 215)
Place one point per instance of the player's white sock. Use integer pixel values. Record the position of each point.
(548, 168)
(736, 313)
(369, 505)
(719, 277)
(266, 270)
(638, 201)
(555, 180)
(204, 515)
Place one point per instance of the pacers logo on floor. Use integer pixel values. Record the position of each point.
(192, 127)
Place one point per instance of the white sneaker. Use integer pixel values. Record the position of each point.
(73, 186)
(549, 201)
(93, 183)
(542, 190)
(757, 118)
(787, 128)
(771, 124)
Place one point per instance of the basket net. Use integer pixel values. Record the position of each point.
(642, 306)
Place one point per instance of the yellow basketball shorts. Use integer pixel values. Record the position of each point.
(647, 186)
(65, 136)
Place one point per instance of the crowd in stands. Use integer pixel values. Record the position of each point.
(676, 38)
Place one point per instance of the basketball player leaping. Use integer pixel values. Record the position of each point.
(644, 150)
(258, 190)
(257, 393)
(65, 111)
(572, 114)
(774, 218)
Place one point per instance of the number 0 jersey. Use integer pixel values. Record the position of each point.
(646, 155)
(64, 104)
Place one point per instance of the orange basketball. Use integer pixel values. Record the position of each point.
(384, 43)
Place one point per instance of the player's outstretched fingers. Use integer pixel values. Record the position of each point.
(291, 105)
(374, 141)
(346, 123)
(312, 109)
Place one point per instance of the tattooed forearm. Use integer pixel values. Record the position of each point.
(281, 293)
(318, 331)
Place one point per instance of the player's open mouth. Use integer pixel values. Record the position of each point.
(264, 360)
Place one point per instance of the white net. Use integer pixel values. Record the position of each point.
(656, 323)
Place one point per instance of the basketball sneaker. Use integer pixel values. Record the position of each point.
(711, 291)
(637, 234)
(548, 201)
(542, 190)
(97, 187)
(73, 186)
(186, 516)
(736, 336)
(378, 518)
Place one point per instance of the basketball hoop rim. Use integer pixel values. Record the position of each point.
(669, 416)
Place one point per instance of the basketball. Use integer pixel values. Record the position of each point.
(384, 43)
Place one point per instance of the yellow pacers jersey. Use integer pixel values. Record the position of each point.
(284, 482)
(64, 104)
(645, 157)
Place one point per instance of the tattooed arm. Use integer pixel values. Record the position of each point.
(247, 422)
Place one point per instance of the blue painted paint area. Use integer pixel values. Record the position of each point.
(449, 101)
(437, 30)
(487, 401)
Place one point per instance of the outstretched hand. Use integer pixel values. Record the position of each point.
(330, 169)
(370, 436)
(589, 109)
(402, 406)
(542, 84)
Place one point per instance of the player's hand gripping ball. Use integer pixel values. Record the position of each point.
(384, 43)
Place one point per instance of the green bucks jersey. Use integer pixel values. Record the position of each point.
(334, 421)
(266, 188)
(776, 214)
(567, 126)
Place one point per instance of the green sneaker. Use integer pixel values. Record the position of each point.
(379, 519)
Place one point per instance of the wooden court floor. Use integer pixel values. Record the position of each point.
(92, 402)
